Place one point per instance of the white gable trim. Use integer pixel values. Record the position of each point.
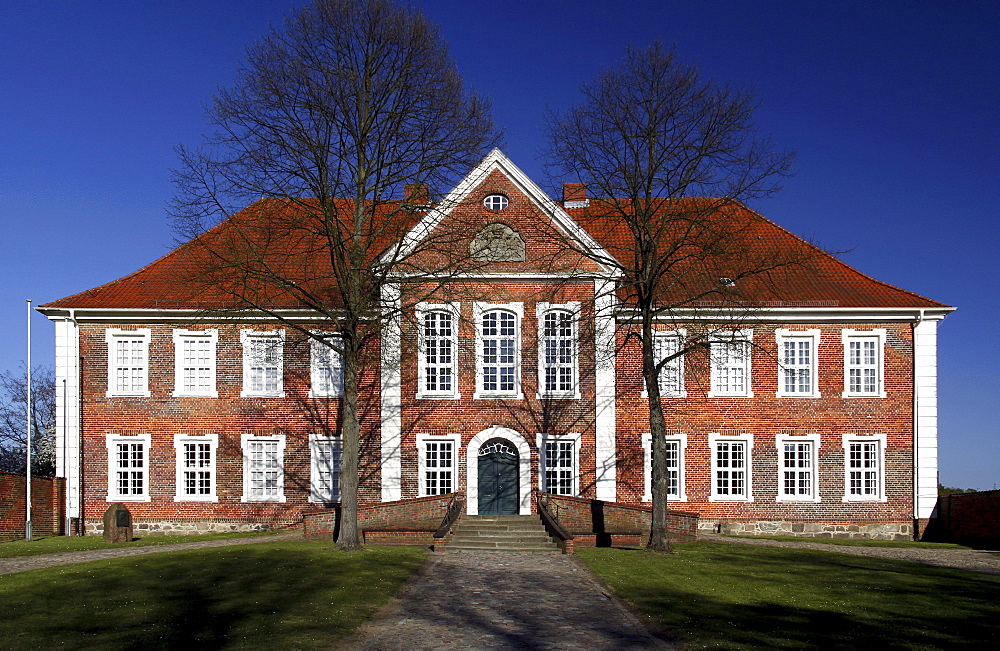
(497, 160)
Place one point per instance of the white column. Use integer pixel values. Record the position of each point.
(604, 350)
(391, 412)
(925, 417)
(67, 360)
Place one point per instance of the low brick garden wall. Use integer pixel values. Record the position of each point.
(595, 523)
(967, 518)
(407, 522)
(48, 500)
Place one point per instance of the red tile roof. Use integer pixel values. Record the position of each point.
(178, 280)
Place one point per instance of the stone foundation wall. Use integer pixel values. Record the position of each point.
(811, 529)
(183, 528)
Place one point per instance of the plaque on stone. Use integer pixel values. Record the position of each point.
(117, 524)
(497, 243)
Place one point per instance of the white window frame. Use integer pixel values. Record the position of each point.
(572, 437)
(422, 467)
(660, 339)
(317, 442)
(246, 338)
(814, 442)
(480, 309)
(245, 441)
(811, 338)
(180, 440)
(681, 441)
(422, 310)
(747, 439)
(573, 309)
(179, 337)
(720, 339)
(879, 335)
(317, 382)
(112, 441)
(879, 441)
(114, 335)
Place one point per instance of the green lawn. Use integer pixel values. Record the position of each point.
(730, 596)
(281, 594)
(56, 544)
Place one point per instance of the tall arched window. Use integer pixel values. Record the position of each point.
(437, 332)
(558, 353)
(498, 347)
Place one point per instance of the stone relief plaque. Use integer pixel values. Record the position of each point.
(497, 243)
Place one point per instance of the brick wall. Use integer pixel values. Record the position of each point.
(601, 524)
(48, 497)
(407, 522)
(967, 518)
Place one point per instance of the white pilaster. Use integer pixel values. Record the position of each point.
(391, 412)
(604, 350)
(67, 360)
(925, 417)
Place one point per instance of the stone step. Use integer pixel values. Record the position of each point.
(524, 533)
(496, 546)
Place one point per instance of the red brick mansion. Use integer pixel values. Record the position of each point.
(815, 414)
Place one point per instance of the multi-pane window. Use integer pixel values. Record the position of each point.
(128, 362)
(194, 362)
(558, 358)
(730, 373)
(797, 362)
(128, 468)
(674, 446)
(558, 464)
(863, 465)
(263, 363)
(863, 363)
(439, 467)
(263, 479)
(730, 467)
(195, 467)
(325, 468)
(438, 328)
(499, 352)
(797, 470)
(666, 345)
(326, 368)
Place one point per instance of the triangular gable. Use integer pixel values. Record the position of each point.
(497, 162)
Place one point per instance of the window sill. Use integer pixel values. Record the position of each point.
(184, 394)
(566, 395)
(195, 500)
(730, 395)
(334, 396)
(862, 395)
(729, 498)
(262, 500)
(128, 498)
(870, 500)
(499, 396)
(247, 394)
(437, 396)
(141, 394)
(799, 500)
(807, 396)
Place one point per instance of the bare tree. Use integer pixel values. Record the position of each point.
(670, 155)
(13, 424)
(330, 117)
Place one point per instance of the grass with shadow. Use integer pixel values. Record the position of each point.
(57, 544)
(733, 596)
(282, 594)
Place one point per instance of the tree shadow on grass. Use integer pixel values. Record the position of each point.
(287, 595)
(723, 597)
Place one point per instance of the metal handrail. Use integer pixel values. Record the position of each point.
(451, 516)
(550, 521)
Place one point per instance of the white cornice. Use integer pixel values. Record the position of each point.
(799, 314)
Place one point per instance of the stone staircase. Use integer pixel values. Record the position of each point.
(514, 533)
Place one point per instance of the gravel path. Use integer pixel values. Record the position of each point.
(962, 559)
(25, 563)
(503, 600)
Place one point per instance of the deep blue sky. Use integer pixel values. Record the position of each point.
(892, 107)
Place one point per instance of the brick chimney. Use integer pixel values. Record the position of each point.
(575, 195)
(416, 194)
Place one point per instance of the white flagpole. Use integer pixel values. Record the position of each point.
(27, 473)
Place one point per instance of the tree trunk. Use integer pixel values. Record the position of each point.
(659, 533)
(350, 536)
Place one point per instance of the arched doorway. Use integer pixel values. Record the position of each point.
(498, 479)
(511, 439)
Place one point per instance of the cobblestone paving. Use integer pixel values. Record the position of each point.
(503, 600)
(962, 559)
(25, 563)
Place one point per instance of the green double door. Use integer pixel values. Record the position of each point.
(498, 480)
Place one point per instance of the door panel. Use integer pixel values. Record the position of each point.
(498, 484)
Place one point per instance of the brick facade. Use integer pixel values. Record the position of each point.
(605, 415)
